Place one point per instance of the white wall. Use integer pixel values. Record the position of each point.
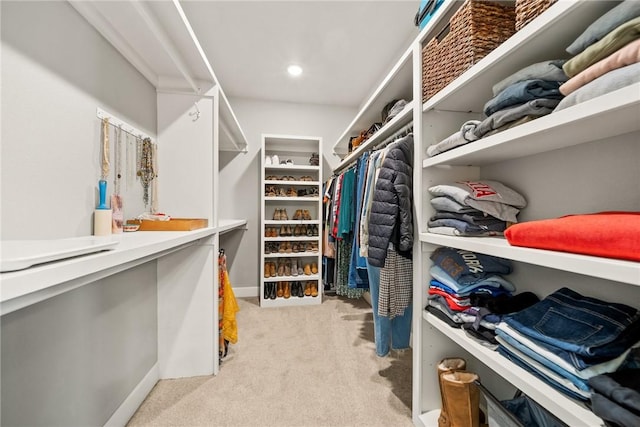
(56, 69)
(240, 173)
(72, 359)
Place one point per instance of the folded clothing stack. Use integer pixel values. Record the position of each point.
(474, 208)
(616, 397)
(606, 56)
(604, 234)
(467, 290)
(525, 95)
(568, 338)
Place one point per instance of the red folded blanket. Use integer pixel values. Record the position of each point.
(604, 234)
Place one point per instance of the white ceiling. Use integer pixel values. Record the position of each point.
(345, 47)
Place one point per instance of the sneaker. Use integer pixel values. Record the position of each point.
(275, 160)
(267, 161)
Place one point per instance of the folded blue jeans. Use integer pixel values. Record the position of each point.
(388, 333)
(595, 329)
(506, 353)
(581, 383)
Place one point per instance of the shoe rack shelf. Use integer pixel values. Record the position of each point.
(278, 212)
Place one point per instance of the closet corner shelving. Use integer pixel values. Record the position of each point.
(281, 236)
(559, 162)
(195, 122)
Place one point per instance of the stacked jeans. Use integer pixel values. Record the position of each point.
(567, 338)
(616, 397)
(463, 286)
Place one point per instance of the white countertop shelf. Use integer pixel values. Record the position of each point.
(568, 410)
(225, 225)
(604, 268)
(25, 287)
(582, 123)
(298, 278)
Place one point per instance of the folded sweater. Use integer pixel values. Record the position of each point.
(616, 39)
(604, 234)
(629, 54)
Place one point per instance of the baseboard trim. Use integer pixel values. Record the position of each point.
(123, 414)
(246, 292)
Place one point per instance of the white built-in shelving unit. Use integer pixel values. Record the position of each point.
(560, 163)
(298, 150)
(579, 160)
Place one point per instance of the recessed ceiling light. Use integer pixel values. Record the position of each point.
(294, 70)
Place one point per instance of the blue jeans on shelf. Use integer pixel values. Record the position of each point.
(389, 333)
(586, 326)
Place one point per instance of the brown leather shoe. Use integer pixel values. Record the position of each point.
(314, 289)
(314, 268)
(307, 269)
(307, 289)
(272, 269)
(287, 289)
(280, 290)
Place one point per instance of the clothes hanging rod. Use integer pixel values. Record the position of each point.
(116, 122)
(400, 132)
(403, 131)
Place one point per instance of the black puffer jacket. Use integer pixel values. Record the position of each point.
(391, 218)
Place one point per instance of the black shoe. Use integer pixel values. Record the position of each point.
(300, 290)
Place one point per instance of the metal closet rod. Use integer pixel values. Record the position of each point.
(405, 130)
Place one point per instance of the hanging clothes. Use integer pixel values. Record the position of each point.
(358, 277)
(391, 216)
(373, 166)
(328, 242)
(344, 234)
(389, 257)
(227, 307)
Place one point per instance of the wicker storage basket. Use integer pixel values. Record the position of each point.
(475, 29)
(527, 10)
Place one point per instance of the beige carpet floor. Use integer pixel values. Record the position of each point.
(292, 366)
